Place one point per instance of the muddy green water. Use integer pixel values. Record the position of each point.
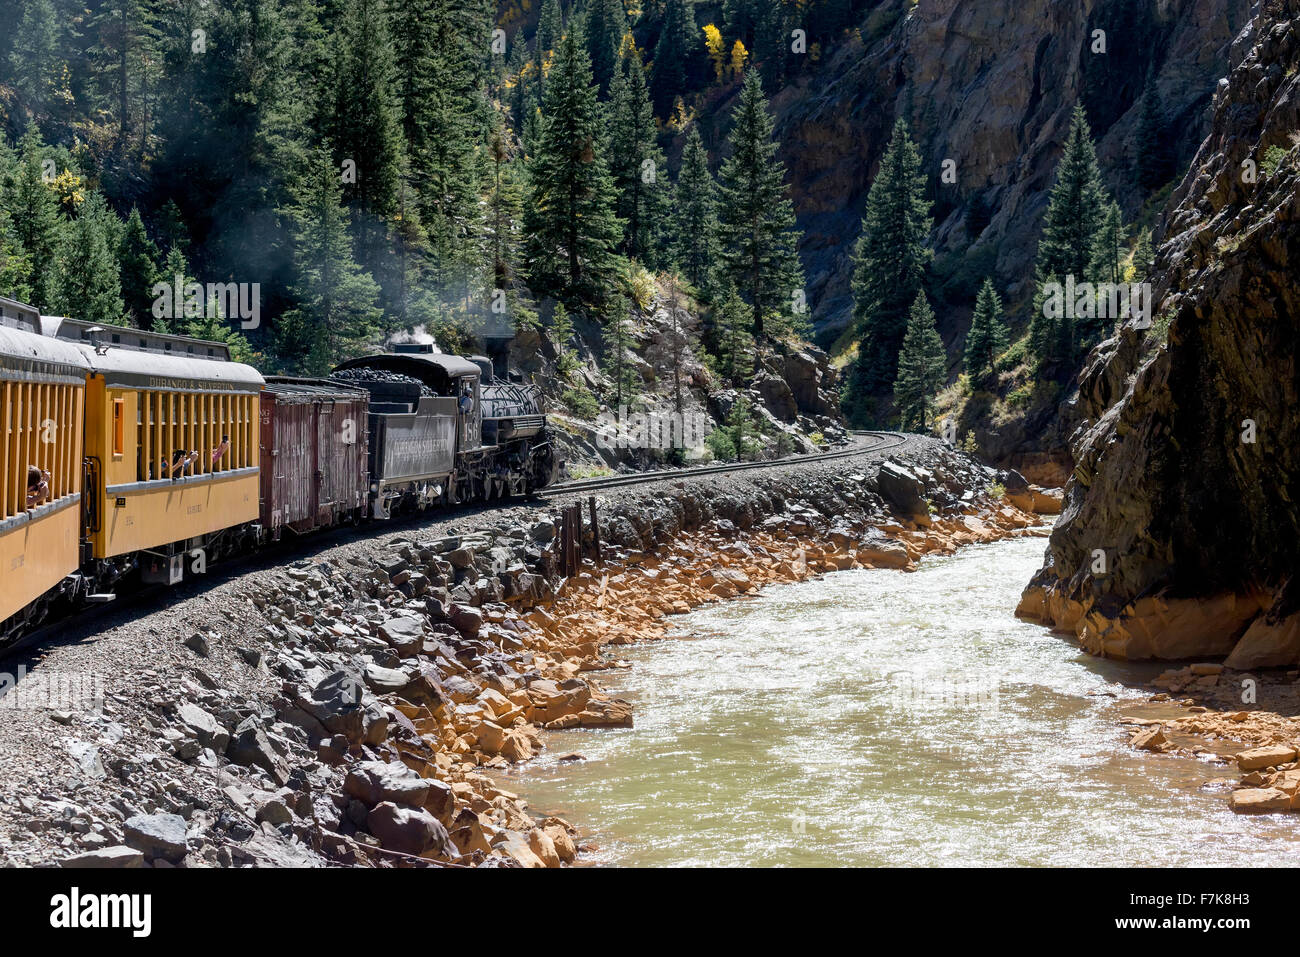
(884, 718)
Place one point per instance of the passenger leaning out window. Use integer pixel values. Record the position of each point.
(38, 486)
(180, 464)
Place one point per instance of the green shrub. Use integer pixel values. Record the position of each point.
(581, 403)
(567, 364)
(1021, 397)
(1013, 356)
(1272, 159)
(720, 444)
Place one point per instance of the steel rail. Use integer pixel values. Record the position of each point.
(885, 441)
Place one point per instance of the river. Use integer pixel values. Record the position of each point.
(878, 717)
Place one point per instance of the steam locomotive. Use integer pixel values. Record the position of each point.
(132, 456)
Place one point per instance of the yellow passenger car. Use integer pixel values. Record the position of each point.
(42, 395)
(171, 446)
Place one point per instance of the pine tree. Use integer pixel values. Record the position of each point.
(606, 25)
(450, 166)
(86, 284)
(614, 341)
(771, 43)
(741, 18)
(550, 27)
(1108, 246)
(364, 125)
(124, 34)
(637, 163)
(33, 59)
(987, 336)
(138, 258)
(922, 367)
(1152, 161)
(1075, 208)
(1143, 257)
(15, 265)
(1051, 339)
(336, 315)
(674, 340)
(695, 221)
(678, 40)
(756, 217)
(735, 346)
(233, 124)
(504, 212)
(412, 29)
(34, 214)
(570, 223)
(561, 335)
(889, 262)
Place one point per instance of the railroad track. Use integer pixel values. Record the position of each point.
(883, 441)
(149, 597)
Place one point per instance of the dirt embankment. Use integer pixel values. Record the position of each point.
(349, 708)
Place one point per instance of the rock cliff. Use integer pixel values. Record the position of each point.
(989, 86)
(1180, 529)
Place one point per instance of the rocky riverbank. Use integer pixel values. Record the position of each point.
(349, 708)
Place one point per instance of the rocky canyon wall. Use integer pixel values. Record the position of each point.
(989, 84)
(1180, 534)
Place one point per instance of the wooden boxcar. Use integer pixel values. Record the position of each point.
(42, 407)
(314, 455)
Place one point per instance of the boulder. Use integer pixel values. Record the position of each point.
(517, 848)
(206, 729)
(562, 842)
(1266, 644)
(385, 680)
(404, 634)
(106, 857)
(777, 396)
(466, 620)
(1150, 739)
(614, 713)
(1269, 756)
(335, 701)
(541, 844)
(903, 490)
(373, 782)
(157, 835)
(1259, 800)
(251, 748)
(409, 830)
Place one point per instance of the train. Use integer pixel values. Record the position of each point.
(136, 457)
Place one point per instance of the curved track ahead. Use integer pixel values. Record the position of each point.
(879, 442)
(868, 442)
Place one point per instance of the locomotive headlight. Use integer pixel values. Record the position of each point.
(374, 487)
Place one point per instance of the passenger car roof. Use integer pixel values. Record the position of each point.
(27, 355)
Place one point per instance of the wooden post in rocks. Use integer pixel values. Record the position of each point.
(595, 529)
